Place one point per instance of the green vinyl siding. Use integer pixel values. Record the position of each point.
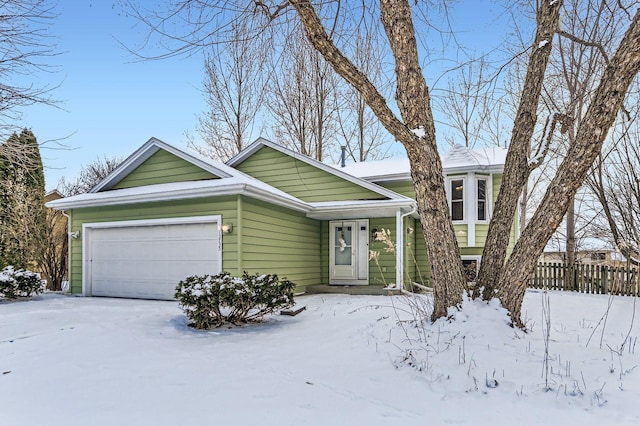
(324, 252)
(384, 273)
(403, 187)
(387, 260)
(300, 179)
(419, 257)
(471, 251)
(497, 181)
(163, 167)
(278, 241)
(224, 206)
(461, 230)
(481, 234)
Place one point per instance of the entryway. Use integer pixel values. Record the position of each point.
(349, 252)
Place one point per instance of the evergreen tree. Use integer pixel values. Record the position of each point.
(22, 211)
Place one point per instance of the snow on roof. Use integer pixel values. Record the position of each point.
(237, 184)
(458, 158)
(369, 169)
(461, 156)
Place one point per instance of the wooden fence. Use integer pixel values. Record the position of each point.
(596, 279)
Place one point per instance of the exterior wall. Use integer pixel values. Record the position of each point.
(422, 273)
(385, 273)
(387, 260)
(163, 167)
(403, 187)
(300, 179)
(224, 206)
(420, 270)
(278, 241)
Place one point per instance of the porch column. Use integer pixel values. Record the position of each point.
(399, 250)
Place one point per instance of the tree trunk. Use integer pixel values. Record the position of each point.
(570, 246)
(592, 131)
(413, 101)
(516, 169)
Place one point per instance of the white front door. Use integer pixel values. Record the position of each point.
(349, 252)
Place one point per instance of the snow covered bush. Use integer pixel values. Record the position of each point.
(212, 301)
(19, 283)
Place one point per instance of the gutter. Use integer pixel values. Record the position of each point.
(181, 194)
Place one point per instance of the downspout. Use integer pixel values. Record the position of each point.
(239, 227)
(400, 246)
(64, 213)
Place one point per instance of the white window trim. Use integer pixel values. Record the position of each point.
(464, 180)
(473, 257)
(488, 201)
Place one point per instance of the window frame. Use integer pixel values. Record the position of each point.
(450, 180)
(487, 195)
(472, 258)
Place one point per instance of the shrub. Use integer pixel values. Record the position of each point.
(19, 283)
(212, 301)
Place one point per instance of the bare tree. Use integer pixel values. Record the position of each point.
(24, 43)
(467, 105)
(414, 128)
(590, 29)
(90, 175)
(302, 98)
(54, 254)
(615, 181)
(358, 126)
(234, 88)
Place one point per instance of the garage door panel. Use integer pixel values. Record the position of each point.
(149, 261)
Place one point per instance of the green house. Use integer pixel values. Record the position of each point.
(165, 214)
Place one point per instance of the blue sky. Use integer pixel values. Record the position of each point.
(111, 103)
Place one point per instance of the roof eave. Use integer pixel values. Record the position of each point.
(182, 194)
(494, 168)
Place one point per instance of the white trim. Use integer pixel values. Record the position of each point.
(477, 258)
(171, 191)
(471, 208)
(260, 142)
(143, 153)
(448, 180)
(86, 234)
(357, 256)
(488, 197)
(399, 250)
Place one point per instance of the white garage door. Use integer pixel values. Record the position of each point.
(147, 262)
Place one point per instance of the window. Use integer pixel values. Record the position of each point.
(482, 199)
(457, 199)
(470, 269)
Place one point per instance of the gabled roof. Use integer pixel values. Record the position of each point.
(458, 159)
(152, 146)
(230, 182)
(262, 142)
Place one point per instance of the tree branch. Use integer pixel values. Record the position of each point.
(587, 43)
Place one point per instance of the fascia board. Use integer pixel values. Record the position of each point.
(476, 168)
(181, 194)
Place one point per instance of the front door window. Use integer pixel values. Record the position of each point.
(343, 245)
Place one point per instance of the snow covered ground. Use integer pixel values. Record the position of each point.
(346, 360)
